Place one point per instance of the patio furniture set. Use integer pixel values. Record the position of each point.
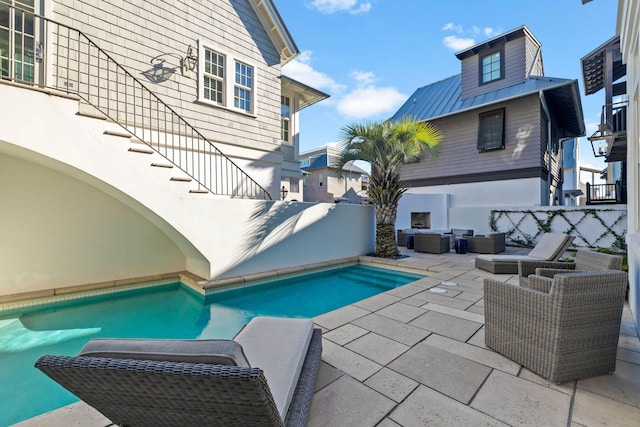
(562, 322)
(443, 241)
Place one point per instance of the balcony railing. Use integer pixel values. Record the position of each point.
(605, 193)
(60, 57)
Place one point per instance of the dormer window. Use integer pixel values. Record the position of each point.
(491, 67)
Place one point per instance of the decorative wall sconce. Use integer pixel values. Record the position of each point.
(190, 61)
(284, 192)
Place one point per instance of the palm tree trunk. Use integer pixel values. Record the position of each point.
(386, 246)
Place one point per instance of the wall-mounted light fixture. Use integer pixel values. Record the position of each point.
(284, 192)
(190, 61)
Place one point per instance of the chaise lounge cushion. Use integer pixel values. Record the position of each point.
(278, 346)
(215, 352)
(548, 246)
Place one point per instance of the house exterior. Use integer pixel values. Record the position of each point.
(628, 28)
(603, 68)
(503, 123)
(148, 138)
(323, 185)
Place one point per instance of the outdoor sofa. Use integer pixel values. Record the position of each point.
(492, 243)
(433, 243)
(562, 329)
(585, 261)
(550, 247)
(265, 376)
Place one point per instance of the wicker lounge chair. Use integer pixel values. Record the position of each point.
(550, 247)
(493, 243)
(199, 382)
(432, 243)
(563, 328)
(585, 261)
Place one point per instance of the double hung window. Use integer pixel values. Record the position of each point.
(225, 81)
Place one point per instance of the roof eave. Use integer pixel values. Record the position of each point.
(308, 95)
(276, 29)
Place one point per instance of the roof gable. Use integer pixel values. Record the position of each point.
(276, 29)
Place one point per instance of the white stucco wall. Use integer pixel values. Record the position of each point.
(210, 236)
(515, 192)
(436, 204)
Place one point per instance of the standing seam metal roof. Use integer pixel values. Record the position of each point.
(443, 98)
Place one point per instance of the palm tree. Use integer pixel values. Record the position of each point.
(386, 146)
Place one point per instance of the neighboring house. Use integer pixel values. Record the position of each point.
(628, 28)
(140, 139)
(323, 185)
(571, 185)
(603, 68)
(503, 123)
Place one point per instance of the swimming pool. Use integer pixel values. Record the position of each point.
(164, 311)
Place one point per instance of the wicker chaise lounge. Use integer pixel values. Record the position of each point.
(264, 377)
(585, 261)
(550, 247)
(563, 328)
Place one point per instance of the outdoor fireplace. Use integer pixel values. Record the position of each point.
(420, 219)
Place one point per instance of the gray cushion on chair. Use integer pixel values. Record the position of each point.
(278, 346)
(214, 352)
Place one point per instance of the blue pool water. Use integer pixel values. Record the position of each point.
(166, 311)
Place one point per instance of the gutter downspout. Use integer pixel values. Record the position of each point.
(545, 108)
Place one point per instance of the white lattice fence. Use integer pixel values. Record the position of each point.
(591, 227)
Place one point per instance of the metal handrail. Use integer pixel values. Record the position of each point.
(78, 66)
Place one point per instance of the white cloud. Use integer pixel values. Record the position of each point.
(457, 43)
(466, 37)
(352, 6)
(363, 77)
(488, 31)
(369, 101)
(300, 69)
(450, 26)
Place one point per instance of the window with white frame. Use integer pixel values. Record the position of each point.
(285, 118)
(225, 81)
(294, 185)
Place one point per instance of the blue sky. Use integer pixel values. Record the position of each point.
(370, 55)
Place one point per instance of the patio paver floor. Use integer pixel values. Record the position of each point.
(410, 357)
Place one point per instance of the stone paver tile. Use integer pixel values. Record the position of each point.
(426, 407)
(348, 361)
(566, 387)
(392, 384)
(345, 334)
(326, 375)
(75, 415)
(444, 299)
(398, 331)
(623, 385)
(376, 302)
(380, 349)
(404, 291)
(519, 402)
(628, 328)
(346, 402)
(486, 357)
(449, 326)
(629, 342)
(468, 296)
(478, 339)
(476, 309)
(454, 312)
(445, 372)
(426, 282)
(628, 356)
(593, 410)
(388, 422)
(401, 312)
(339, 317)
